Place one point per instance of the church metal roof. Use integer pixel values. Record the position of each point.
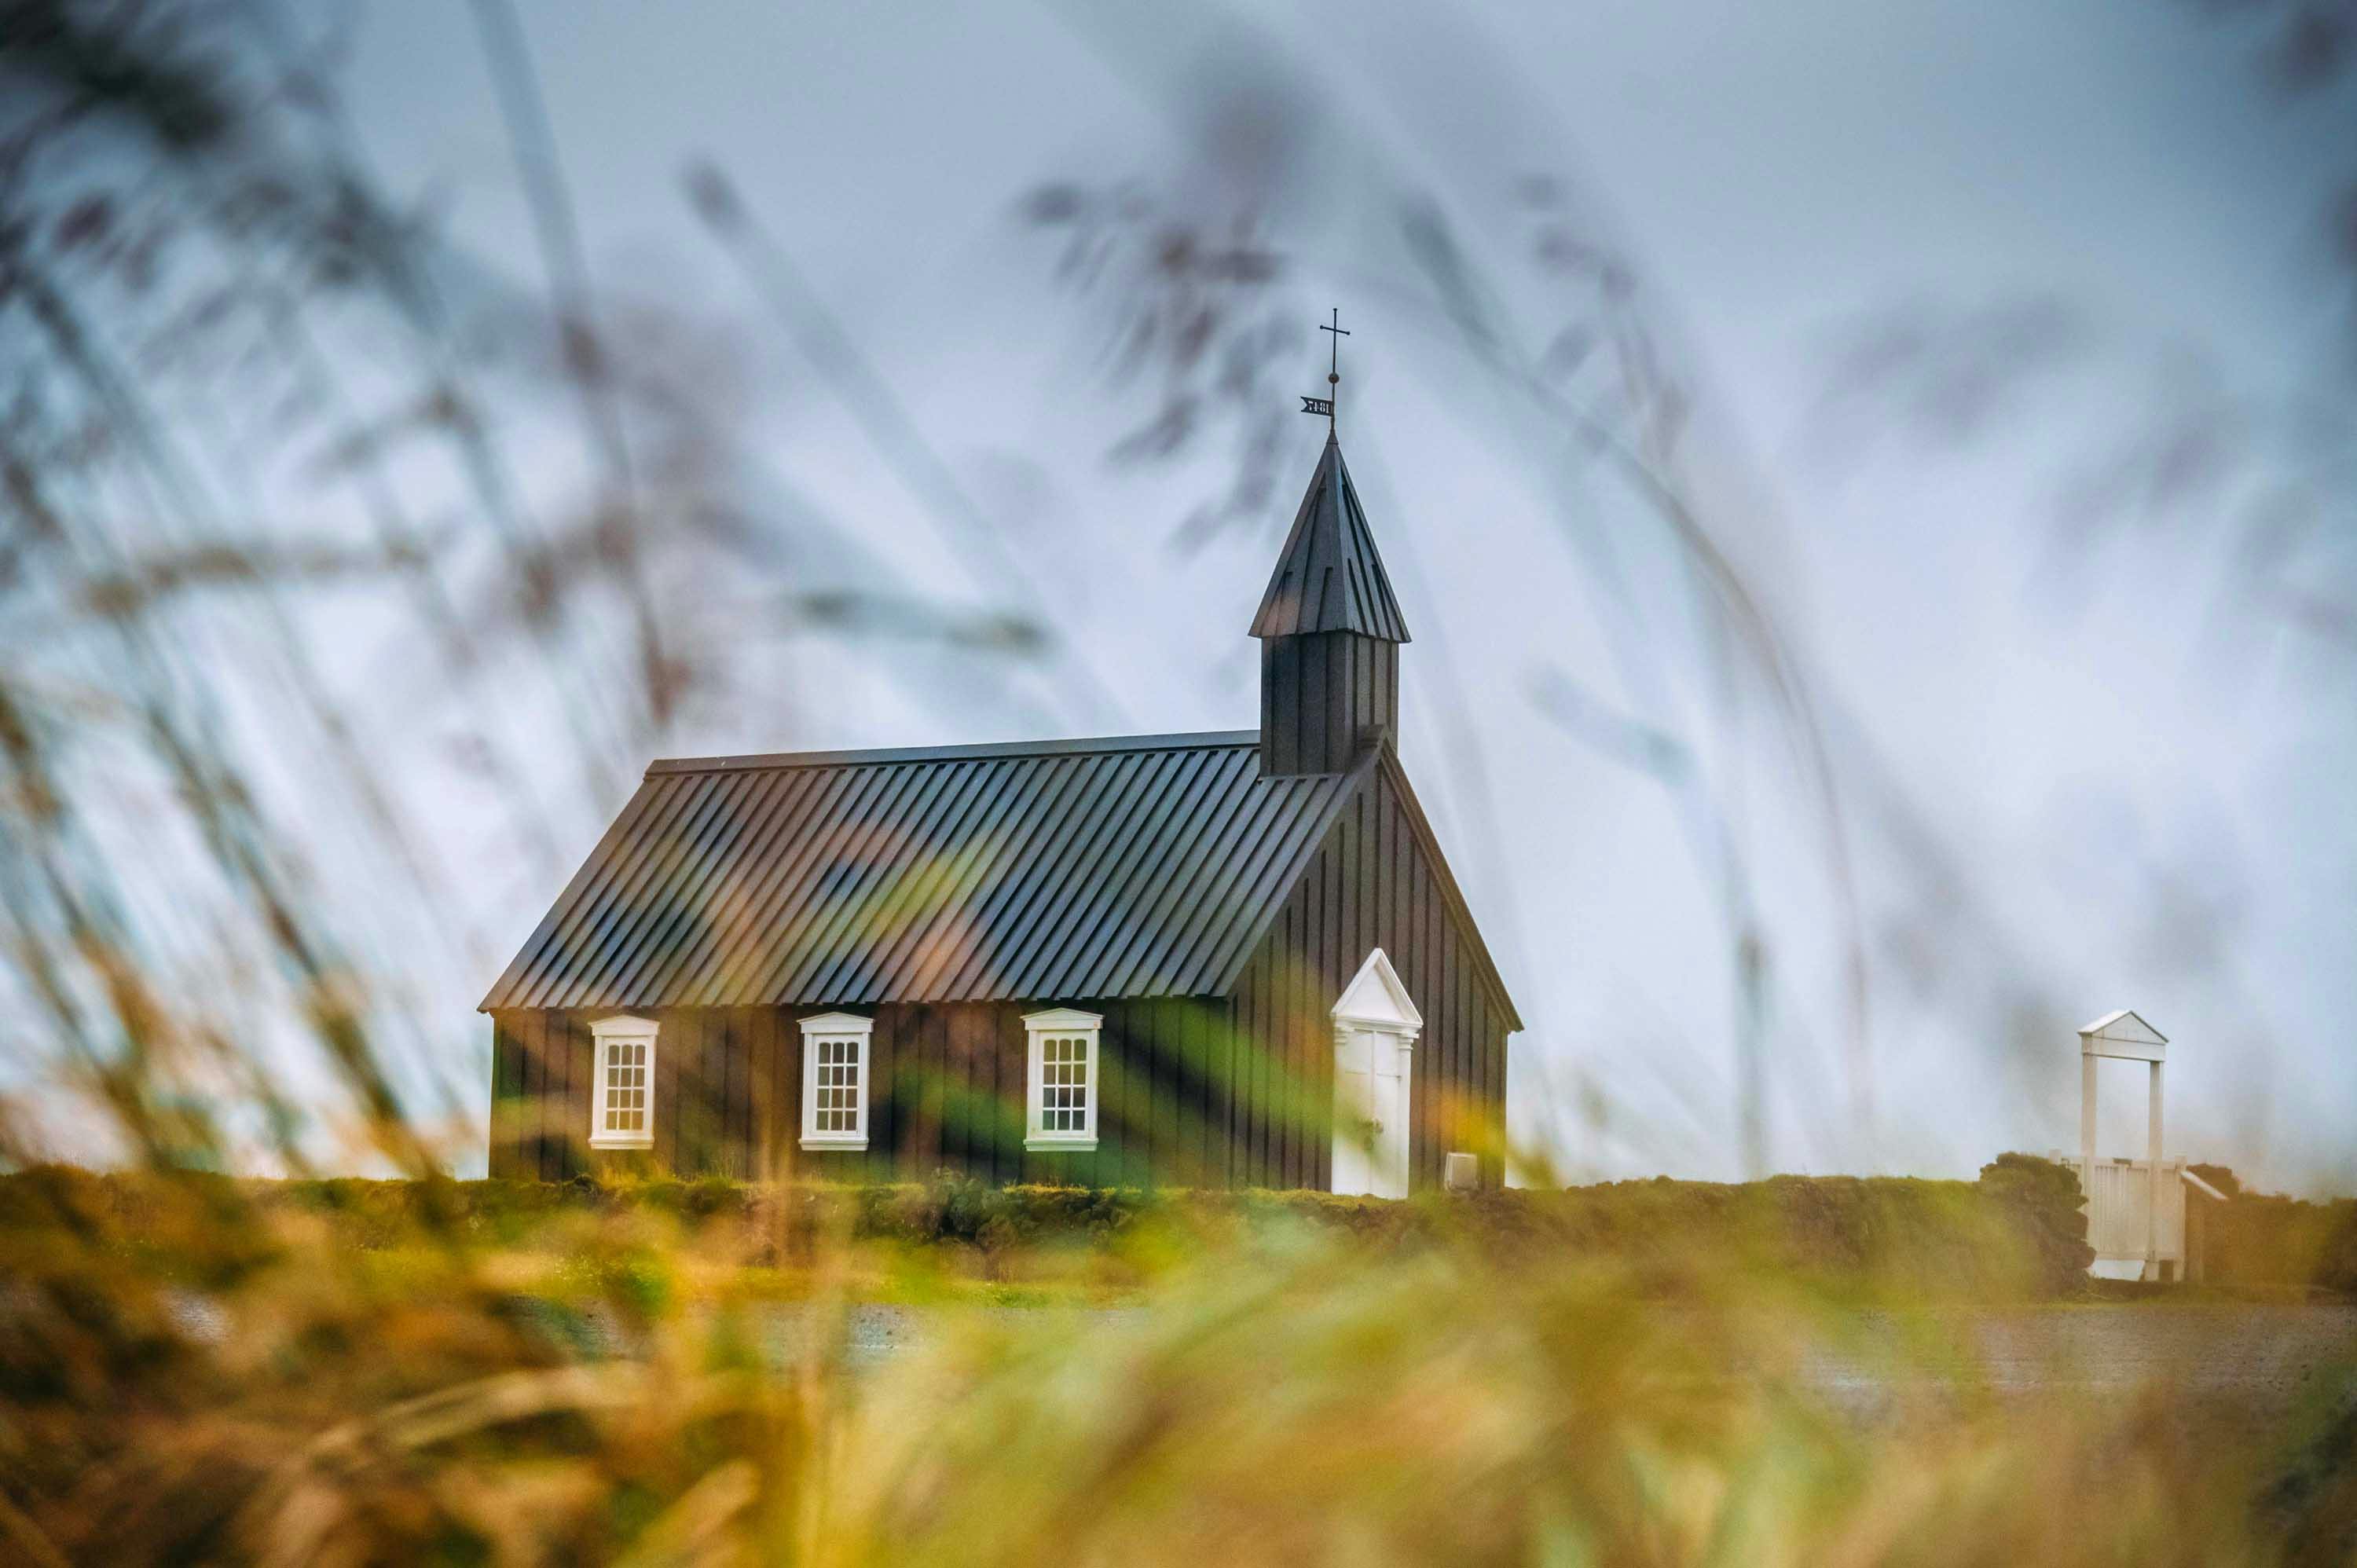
(1138, 866)
(1329, 576)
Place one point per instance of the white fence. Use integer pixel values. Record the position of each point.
(2119, 1198)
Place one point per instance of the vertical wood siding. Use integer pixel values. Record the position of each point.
(1370, 886)
(946, 1085)
(1231, 1091)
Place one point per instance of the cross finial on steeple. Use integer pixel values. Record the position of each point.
(1325, 405)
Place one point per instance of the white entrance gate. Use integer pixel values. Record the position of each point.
(2123, 1225)
(1375, 1027)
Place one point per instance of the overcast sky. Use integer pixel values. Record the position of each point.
(2076, 770)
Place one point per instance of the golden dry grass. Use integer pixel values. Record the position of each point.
(197, 1372)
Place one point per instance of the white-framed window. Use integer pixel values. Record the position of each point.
(834, 1080)
(1062, 1083)
(622, 1108)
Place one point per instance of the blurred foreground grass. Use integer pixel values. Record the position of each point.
(203, 1370)
(248, 385)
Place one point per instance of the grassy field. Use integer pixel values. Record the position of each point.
(200, 1370)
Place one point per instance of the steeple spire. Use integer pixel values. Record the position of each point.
(1329, 576)
(1329, 631)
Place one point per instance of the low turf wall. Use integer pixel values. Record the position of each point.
(2017, 1231)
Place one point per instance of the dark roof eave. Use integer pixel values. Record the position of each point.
(583, 874)
(1379, 753)
(1450, 893)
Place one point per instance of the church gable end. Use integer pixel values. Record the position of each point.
(1378, 880)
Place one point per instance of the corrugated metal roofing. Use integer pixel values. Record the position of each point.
(1140, 866)
(1329, 576)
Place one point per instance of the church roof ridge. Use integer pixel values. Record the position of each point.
(1077, 746)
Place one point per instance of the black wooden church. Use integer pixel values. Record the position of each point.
(1235, 959)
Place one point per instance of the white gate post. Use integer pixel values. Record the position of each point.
(2087, 1059)
(2152, 1203)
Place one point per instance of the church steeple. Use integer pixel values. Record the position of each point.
(1329, 632)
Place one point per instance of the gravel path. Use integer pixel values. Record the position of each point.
(2264, 1356)
(2262, 1349)
(2232, 1369)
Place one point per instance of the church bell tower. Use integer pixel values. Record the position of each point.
(1329, 632)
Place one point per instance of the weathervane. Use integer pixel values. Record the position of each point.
(1325, 405)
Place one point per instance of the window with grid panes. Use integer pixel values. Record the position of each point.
(1063, 1083)
(1063, 1079)
(622, 1113)
(834, 1080)
(838, 1086)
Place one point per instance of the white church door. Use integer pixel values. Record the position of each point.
(1375, 1028)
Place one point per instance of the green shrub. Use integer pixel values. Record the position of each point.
(2018, 1230)
(2044, 1206)
(2219, 1177)
(2264, 1239)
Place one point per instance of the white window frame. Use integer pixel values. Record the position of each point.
(835, 1028)
(1061, 1023)
(623, 1028)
